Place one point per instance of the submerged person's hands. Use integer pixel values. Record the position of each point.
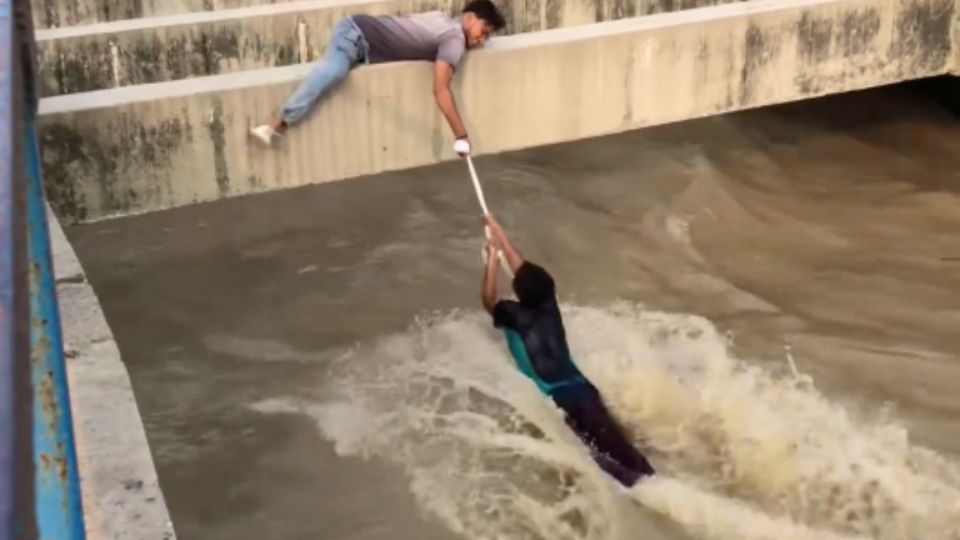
(492, 249)
(494, 227)
(491, 252)
(514, 259)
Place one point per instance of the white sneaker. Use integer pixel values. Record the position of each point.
(265, 134)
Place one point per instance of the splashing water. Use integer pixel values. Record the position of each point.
(741, 453)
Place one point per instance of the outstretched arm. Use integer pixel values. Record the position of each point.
(513, 256)
(488, 291)
(442, 75)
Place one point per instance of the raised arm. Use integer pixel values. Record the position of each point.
(488, 291)
(513, 256)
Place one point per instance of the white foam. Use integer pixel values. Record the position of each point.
(742, 454)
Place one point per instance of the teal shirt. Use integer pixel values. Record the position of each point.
(519, 352)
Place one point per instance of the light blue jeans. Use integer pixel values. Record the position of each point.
(347, 48)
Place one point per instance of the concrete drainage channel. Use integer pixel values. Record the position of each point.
(122, 497)
(121, 146)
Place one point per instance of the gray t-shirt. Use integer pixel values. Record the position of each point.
(422, 36)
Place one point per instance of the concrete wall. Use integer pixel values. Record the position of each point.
(140, 149)
(62, 13)
(118, 480)
(955, 70)
(58, 13)
(100, 56)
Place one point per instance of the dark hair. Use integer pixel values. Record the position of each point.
(486, 10)
(533, 285)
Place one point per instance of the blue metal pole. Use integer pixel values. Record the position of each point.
(59, 508)
(8, 396)
(17, 504)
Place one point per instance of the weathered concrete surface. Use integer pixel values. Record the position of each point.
(121, 494)
(139, 149)
(955, 70)
(58, 13)
(62, 13)
(108, 55)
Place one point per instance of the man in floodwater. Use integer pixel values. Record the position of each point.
(537, 341)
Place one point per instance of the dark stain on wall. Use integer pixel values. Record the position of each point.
(857, 30)
(65, 70)
(64, 152)
(609, 10)
(216, 46)
(59, 13)
(922, 34)
(814, 37)
(217, 130)
(77, 151)
(143, 60)
(759, 47)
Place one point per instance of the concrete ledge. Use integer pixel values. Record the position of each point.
(65, 13)
(137, 51)
(146, 148)
(121, 495)
(58, 13)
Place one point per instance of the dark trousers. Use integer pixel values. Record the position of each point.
(589, 419)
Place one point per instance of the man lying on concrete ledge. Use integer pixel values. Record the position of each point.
(431, 36)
